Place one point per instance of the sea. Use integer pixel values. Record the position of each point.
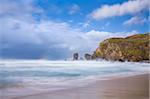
(47, 75)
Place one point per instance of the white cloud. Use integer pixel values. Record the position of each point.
(85, 24)
(135, 20)
(59, 36)
(102, 35)
(129, 7)
(54, 35)
(19, 9)
(74, 9)
(14, 30)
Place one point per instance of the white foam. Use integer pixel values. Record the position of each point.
(36, 63)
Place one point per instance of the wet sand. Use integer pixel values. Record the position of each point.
(131, 87)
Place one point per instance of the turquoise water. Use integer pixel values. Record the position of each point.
(63, 73)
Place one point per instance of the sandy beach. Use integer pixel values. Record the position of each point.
(131, 87)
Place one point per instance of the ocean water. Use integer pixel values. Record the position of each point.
(55, 75)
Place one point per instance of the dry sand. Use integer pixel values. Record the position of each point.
(132, 87)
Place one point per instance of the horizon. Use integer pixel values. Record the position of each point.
(55, 29)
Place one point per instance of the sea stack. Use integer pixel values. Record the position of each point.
(88, 56)
(75, 56)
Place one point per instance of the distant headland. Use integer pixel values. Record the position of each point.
(133, 48)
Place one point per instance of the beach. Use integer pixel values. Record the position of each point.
(73, 80)
(130, 87)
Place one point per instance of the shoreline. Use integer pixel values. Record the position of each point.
(84, 60)
(126, 87)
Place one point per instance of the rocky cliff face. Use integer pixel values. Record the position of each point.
(133, 48)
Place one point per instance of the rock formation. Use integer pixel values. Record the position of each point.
(88, 56)
(133, 48)
(75, 56)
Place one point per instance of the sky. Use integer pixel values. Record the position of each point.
(55, 29)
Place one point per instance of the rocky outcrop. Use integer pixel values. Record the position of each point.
(88, 56)
(133, 48)
(75, 56)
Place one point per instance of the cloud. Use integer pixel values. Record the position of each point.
(130, 7)
(49, 36)
(74, 9)
(135, 20)
(49, 39)
(24, 37)
(85, 24)
(99, 36)
(18, 7)
(6, 8)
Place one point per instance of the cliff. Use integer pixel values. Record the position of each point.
(133, 48)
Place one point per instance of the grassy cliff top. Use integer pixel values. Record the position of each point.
(136, 39)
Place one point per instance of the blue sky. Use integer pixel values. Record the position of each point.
(55, 29)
